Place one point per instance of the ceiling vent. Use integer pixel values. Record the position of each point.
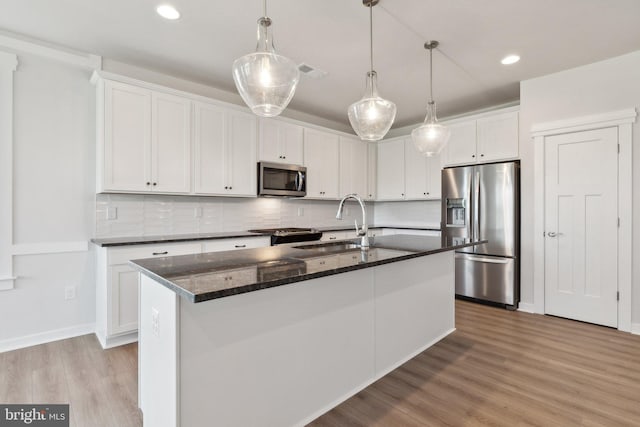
(309, 71)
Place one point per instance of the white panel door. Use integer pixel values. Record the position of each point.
(171, 143)
(434, 177)
(581, 214)
(123, 299)
(291, 143)
(321, 155)
(210, 148)
(241, 154)
(269, 141)
(127, 138)
(415, 172)
(391, 170)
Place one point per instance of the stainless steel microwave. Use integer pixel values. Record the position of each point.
(277, 179)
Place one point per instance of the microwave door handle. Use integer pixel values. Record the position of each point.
(300, 180)
(296, 182)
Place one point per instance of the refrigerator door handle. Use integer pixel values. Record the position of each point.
(484, 259)
(476, 207)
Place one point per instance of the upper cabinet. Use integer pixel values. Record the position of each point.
(225, 151)
(372, 171)
(280, 142)
(321, 154)
(406, 174)
(354, 160)
(144, 141)
(486, 138)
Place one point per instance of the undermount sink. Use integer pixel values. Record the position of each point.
(331, 247)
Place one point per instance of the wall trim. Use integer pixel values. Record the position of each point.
(68, 56)
(527, 307)
(49, 248)
(635, 328)
(45, 337)
(623, 120)
(576, 124)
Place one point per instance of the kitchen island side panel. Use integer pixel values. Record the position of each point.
(277, 357)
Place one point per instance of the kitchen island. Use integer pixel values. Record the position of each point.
(277, 336)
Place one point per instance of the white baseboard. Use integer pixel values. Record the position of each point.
(635, 328)
(527, 307)
(45, 337)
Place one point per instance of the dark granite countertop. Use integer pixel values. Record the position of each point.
(202, 277)
(147, 240)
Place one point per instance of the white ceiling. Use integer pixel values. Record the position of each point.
(549, 35)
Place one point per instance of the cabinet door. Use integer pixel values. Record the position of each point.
(126, 156)
(291, 142)
(241, 154)
(123, 316)
(434, 177)
(171, 143)
(210, 149)
(353, 166)
(461, 148)
(334, 235)
(269, 142)
(372, 171)
(415, 170)
(390, 170)
(498, 137)
(321, 153)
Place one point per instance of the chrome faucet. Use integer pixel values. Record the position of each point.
(360, 231)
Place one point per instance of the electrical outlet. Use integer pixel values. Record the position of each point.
(155, 321)
(69, 292)
(197, 212)
(112, 213)
(300, 211)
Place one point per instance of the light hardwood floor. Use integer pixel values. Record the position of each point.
(498, 369)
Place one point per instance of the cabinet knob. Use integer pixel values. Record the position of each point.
(481, 155)
(424, 194)
(284, 157)
(473, 155)
(148, 183)
(155, 183)
(428, 193)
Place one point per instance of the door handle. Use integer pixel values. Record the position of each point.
(160, 253)
(553, 234)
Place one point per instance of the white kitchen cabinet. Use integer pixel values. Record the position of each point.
(410, 231)
(117, 282)
(390, 170)
(328, 236)
(498, 137)
(225, 151)
(236, 243)
(406, 174)
(485, 138)
(280, 142)
(322, 157)
(144, 140)
(117, 288)
(372, 171)
(354, 161)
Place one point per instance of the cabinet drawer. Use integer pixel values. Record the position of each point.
(124, 255)
(334, 235)
(322, 263)
(235, 244)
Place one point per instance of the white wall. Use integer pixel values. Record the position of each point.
(605, 86)
(54, 140)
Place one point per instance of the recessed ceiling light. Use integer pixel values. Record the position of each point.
(168, 12)
(510, 59)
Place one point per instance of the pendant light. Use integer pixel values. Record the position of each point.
(372, 116)
(430, 137)
(265, 80)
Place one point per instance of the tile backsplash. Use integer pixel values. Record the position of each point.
(152, 215)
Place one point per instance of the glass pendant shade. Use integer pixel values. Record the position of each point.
(372, 116)
(430, 137)
(265, 80)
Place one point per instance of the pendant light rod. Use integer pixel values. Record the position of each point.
(370, 4)
(264, 7)
(430, 45)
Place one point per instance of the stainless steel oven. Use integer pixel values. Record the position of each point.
(276, 179)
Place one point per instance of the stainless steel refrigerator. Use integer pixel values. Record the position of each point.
(483, 203)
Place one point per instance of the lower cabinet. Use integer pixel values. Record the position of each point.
(117, 282)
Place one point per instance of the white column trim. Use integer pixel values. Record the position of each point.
(623, 120)
(8, 65)
(79, 59)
